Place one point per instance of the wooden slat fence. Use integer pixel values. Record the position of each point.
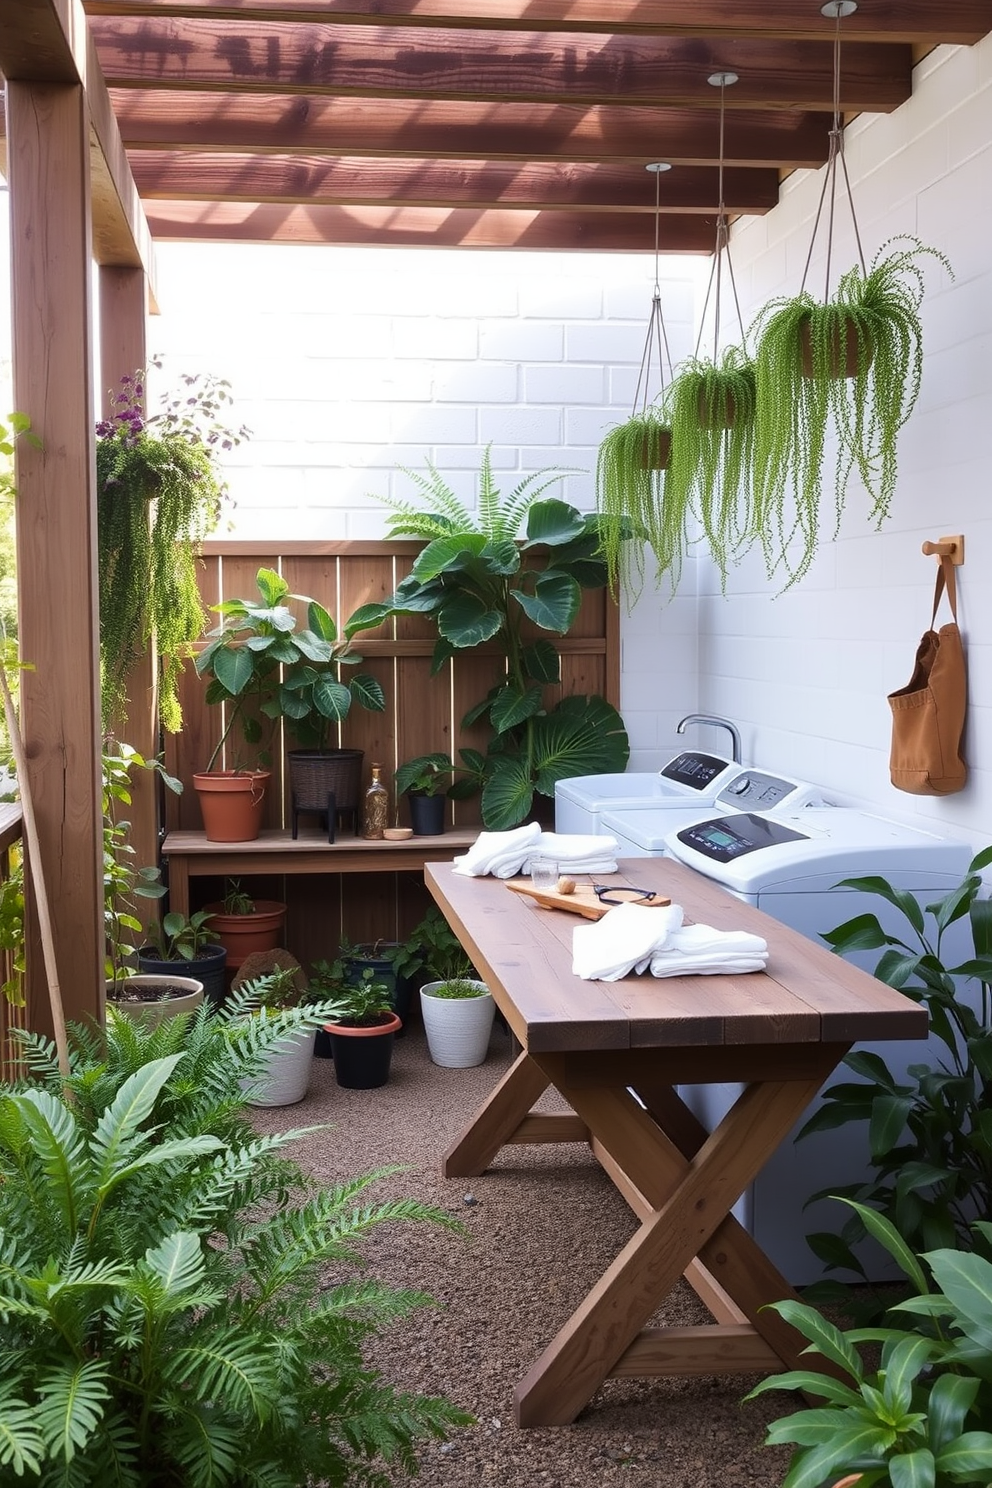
(11, 1016)
(423, 713)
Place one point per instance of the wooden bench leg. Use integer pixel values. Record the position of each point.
(497, 1120)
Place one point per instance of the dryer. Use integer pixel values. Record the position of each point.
(789, 864)
(691, 779)
(641, 828)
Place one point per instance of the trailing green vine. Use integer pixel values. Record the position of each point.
(630, 499)
(148, 583)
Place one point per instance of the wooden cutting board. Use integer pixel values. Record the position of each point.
(582, 902)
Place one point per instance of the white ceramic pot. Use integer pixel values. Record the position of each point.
(288, 1074)
(458, 1028)
(185, 997)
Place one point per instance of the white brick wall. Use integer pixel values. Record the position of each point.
(806, 674)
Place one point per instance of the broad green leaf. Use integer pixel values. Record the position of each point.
(888, 1236)
(863, 933)
(233, 668)
(59, 1144)
(901, 898)
(466, 620)
(554, 603)
(71, 1400)
(541, 661)
(552, 523)
(951, 1398)
(970, 1457)
(321, 622)
(581, 736)
(824, 1337)
(272, 586)
(331, 698)
(446, 553)
(507, 795)
(912, 1469)
(368, 693)
(368, 617)
(902, 1368)
(811, 1382)
(511, 707)
(501, 556)
(119, 1129)
(888, 1121)
(848, 1445)
(177, 1262)
(313, 646)
(966, 1280)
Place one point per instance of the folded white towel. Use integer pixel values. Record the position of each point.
(575, 852)
(492, 851)
(635, 937)
(608, 949)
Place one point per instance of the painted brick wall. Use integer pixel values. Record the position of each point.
(806, 674)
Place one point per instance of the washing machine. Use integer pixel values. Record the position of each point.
(789, 863)
(692, 779)
(642, 829)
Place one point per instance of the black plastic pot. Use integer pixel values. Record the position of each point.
(427, 814)
(400, 989)
(362, 1056)
(208, 969)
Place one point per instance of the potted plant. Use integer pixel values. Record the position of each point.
(177, 945)
(711, 408)
(184, 1326)
(261, 666)
(484, 584)
(361, 1031)
(458, 1018)
(856, 360)
(432, 952)
(269, 983)
(630, 496)
(422, 780)
(161, 465)
(244, 924)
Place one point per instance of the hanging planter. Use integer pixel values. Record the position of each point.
(852, 362)
(709, 407)
(633, 457)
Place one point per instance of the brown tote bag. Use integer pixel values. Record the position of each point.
(928, 713)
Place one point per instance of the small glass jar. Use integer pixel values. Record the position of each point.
(375, 809)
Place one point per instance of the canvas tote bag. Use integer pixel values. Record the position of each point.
(928, 713)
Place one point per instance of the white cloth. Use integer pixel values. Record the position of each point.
(575, 852)
(634, 937)
(492, 851)
(505, 854)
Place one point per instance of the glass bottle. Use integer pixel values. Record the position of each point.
(375, 812)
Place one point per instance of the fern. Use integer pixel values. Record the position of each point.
(172, 1322)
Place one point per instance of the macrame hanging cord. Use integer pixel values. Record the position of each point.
(835, 154)
(721, 80)
(656, 352)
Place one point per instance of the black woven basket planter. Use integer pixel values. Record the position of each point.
(327, 781)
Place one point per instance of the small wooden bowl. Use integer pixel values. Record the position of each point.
(397, 834)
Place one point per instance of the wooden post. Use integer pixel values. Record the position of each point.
(48, 172)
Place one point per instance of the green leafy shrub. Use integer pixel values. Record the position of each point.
(178, 1300)
(917, 1421)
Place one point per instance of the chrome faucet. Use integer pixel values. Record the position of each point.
(720, 723)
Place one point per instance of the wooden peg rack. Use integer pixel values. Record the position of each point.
(947, 547)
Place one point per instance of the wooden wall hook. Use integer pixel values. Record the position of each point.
(947, 547)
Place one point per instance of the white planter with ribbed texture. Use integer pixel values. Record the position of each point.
(287, 1076)
(458, 1028)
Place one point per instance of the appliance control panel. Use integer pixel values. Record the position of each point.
(755, 790)
(724, 838)
(693, 769)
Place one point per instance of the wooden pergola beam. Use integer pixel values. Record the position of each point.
(463, 129)
(920, 22)
(371, 61)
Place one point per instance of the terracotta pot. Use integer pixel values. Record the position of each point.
(243, 934)
(231, 802)
(656, 450)
(722, 414)
(840, 363)
(362, 1055)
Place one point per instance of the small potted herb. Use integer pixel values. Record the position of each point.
(458, 1019)
(177, 945)
(423, 781)
(244, 924)
(363, 1027)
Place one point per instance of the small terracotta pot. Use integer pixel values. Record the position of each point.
(723, 413)
(841, 362)
(232, 802)
(656, 450)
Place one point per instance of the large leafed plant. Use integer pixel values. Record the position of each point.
(520, 560)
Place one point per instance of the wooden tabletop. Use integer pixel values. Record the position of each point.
(807, 995)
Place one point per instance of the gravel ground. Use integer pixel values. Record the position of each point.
(541, 1226)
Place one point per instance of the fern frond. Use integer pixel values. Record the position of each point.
(21, 1445)
(223, 1366)
(59, 1146)
(70, 1405)
(119, 1131)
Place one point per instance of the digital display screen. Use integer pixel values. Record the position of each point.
(695, 770)
(727, 837)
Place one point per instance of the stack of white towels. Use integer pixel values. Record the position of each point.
(506, 854)
(634, 937)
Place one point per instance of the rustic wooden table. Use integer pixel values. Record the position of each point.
(616, 1051)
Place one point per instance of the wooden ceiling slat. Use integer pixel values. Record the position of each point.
(370, 60)
(427, 227)
(919, 22)
(457, 129)
(208, 177)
